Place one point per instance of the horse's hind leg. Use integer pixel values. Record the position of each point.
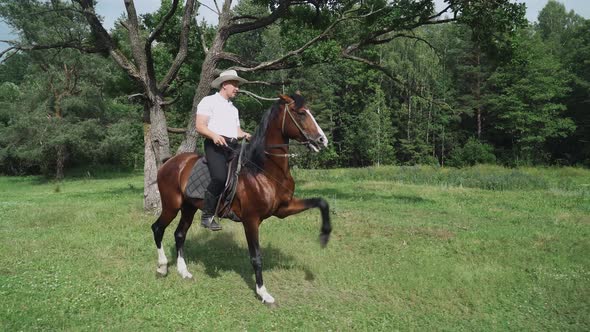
(186, 220)
(158, 229)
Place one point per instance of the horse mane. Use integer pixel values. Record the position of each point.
(255, 151)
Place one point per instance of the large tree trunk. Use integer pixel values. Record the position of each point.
(156, 151)
(151, 195)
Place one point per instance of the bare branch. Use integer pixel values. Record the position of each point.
(158, 30)
(74, 44)
(374, 38)
(217, 6)
(272, 63)
(10, 55)
(245, 17)
(403, 35)
(136, 95)
(374, 65)
(261, 22)
(247, 66)
(176, 130)
(236, 59)
(279, 63)
(137, 51)
(211, 9)
(447, 20)
(170, 102)
(257, 96)
(202, 37)
(124, 25)
(182, 50)
(439, 13)
(105, 39)
(269, 83)
(6, 51)
(42, 12)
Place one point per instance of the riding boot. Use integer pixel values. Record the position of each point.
(208, 212)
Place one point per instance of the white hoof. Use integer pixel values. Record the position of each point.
(264, 295)
(162, 270)
(185, 274)
(182, 269)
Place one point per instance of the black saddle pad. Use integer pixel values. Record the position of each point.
(198, 180)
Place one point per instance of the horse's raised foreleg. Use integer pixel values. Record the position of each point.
(251, 229)
(186, 220)
(296, 205)
(158, 229)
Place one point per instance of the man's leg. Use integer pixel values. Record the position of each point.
(216, 162)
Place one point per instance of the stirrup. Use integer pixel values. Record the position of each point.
(210, 223)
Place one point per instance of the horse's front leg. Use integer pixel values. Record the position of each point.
(251, 229)
(296, 205)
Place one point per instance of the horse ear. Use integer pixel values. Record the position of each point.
(286, 99)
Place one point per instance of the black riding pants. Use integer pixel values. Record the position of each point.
(217, 159)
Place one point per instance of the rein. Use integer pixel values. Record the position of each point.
(283, 155)
(280, 183)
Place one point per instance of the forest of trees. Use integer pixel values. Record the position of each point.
(469, 88)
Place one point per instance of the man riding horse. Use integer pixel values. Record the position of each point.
(265, 186)
(218, 121)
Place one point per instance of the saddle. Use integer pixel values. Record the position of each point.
(200, 178)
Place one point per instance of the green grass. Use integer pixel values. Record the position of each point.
(482, 248)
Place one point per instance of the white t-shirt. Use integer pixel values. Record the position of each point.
(223, 115)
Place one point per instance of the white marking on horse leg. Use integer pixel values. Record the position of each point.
(162, 262)
(266, 298)
(181, 267)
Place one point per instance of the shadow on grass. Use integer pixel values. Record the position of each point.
(221, 253)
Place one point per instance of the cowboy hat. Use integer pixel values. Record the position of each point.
(228, 75)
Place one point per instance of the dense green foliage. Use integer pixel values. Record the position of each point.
(63, 112)
(493, 91)
(413, 248)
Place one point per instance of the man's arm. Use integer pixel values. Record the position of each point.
(243, 134)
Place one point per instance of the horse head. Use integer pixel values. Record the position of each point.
(299, 124)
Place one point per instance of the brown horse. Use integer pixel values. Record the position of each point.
(265, 186)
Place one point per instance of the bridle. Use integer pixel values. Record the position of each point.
(303, 132)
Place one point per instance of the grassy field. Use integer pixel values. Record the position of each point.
(483, 248)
